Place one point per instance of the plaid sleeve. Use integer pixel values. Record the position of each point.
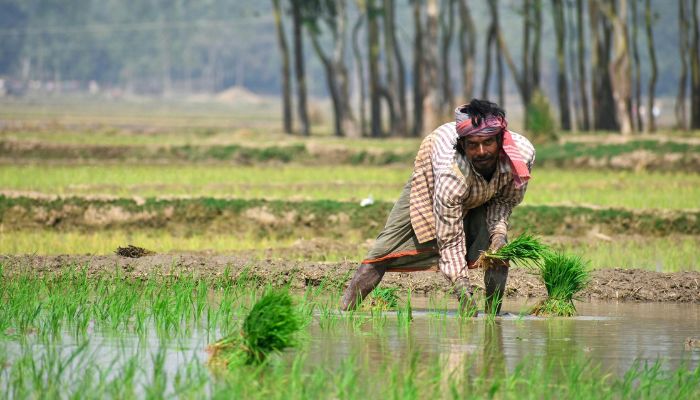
(499, 208)
(450, 190)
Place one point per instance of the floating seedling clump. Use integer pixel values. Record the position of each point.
(564, 276)
(525, 250)
(269, 327)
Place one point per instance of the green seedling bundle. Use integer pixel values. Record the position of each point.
(563, 275)
(270, 327)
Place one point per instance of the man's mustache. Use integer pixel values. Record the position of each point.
(487, 158)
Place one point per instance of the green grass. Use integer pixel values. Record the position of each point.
(643, 190)
(269, 327)
(70, 335)
(523, 250)
(664, 254)
(563, 276)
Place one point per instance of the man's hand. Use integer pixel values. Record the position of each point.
(497, 241)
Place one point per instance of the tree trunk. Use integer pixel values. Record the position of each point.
(299, 68)
(487, 51)
(467, 46)
(620, 66)
(637, 103)
(570, 23)
(601, 43)
(418, 95)
(374, 84)
(562, 84)
(447, 25)
(359, 65)
(500, 78)
(398, 89)
(535, 53)
(651, 119)
(285, 70)
(695, 70)
(582, 80)
(431, 103)
(683, 28)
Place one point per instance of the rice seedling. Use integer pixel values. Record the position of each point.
(526, 250)
(563, 276)
(269, 327)
(382, 298)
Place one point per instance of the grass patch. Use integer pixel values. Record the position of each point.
(563, 276)
(642, 190)
(269, 327)
(525, 250)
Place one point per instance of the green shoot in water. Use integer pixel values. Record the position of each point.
(563, 276)
(525, 249)
(383, 298)
(269, 327)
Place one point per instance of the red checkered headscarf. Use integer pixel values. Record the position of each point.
(491, 126)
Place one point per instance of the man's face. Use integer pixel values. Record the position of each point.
(482, 152)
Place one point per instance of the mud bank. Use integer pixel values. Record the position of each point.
(306, 218)
(608, 284)
(650, 155)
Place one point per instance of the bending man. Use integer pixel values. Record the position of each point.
(467, 177)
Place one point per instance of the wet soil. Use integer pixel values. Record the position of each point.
(607, 284)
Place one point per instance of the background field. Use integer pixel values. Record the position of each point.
(140, 150)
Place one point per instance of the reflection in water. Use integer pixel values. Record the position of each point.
(494, 361)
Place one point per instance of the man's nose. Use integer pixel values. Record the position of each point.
(480, 149)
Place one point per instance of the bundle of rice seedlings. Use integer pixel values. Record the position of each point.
(383, 298)
(525, 249)
(269, 327)
(564, 276)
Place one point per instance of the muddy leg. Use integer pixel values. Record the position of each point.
(495, 281)
(465, 296)
(366, 278)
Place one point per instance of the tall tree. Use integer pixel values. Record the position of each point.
(620, 67)
(695, 70)
(396, 70)
(582, 80)
(285, 68)
(562, 83)
(297, 22)
(494, 50)
(683, 29)
(447, 22)
(359, 67)
(372, 13)
(431, 104)
(649, 18)
(418, 93)
(467, 46)
(527, 80)
(636, 66)
(604, 117)
(332, 15)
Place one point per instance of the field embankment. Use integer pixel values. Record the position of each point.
(608, 284)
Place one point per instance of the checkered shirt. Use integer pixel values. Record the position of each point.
(445, 186)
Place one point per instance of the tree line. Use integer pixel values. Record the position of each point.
(598, 65)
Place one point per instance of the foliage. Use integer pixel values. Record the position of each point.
(564, 276)
(540, 124)
(383, 298)
(269, 327)
(525, 249)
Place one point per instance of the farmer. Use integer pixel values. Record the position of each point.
(467, 177)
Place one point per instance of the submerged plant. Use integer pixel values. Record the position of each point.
(269, 327)
(564, 276)
(525, 249)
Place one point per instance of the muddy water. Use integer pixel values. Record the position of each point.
(610, 335)
(613, 335)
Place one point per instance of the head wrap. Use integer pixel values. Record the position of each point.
(491, 126)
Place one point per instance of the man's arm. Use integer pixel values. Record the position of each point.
(449, 193)
(498, 211)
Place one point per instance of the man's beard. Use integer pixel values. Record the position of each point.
(485, 166)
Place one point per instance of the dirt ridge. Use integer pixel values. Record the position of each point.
(606, 284)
